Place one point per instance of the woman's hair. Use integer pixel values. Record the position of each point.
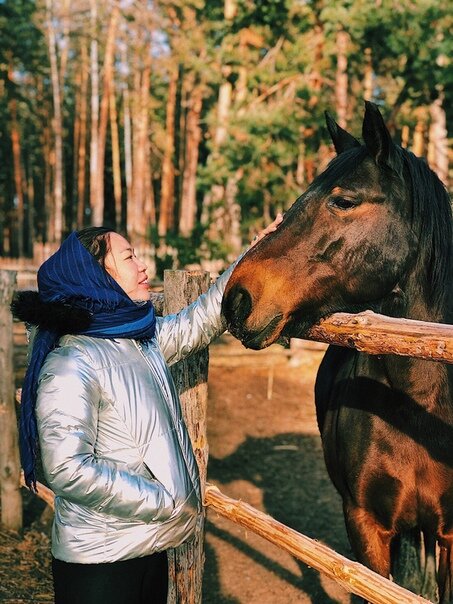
(97, 241)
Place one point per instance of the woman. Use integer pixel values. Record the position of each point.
(99, 394)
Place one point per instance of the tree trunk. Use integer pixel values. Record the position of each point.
(405, 135)
(317, 66)
(49, 205)
(300, 170)
(241, 86)
(233, 214)
(418, 143)
(97, 205)
(76, 145)
(57, 124)
(82, 146)
(223, 111)
(137, 163)
(140, 143)
(127, 154)
(438, 139)
(186, 563)
(65, 48)
(10, 498)
(193, 137)
(104, 110)
(29, 218)
(149, 208)
(167, 201)
(18, 179)
(368, 85)
(341, 87)
(116, 162)
(230, 9)
(217, 193)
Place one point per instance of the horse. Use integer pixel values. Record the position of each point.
(372, 231)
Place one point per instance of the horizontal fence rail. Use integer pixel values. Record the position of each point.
(352, 576)
(377, 334)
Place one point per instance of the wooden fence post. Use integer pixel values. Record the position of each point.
(186, 563)
(10, 497)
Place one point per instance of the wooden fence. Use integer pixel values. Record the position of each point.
(367, 332)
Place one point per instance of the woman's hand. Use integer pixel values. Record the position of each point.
(269, 229)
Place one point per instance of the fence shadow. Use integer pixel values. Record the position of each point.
(289, 469)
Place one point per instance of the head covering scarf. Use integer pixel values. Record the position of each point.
(74, 277)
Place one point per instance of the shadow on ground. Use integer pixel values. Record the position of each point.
(289, 469)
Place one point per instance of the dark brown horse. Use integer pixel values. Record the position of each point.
(373, 231)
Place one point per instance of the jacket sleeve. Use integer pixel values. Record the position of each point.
(67, 408)
(195, 326)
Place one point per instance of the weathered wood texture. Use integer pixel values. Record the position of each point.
(10, 497)
(186, 563)
(378, 334)
(43, 492)
(354, 577)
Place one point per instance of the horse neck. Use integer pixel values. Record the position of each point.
(422, 303)
(427, 382)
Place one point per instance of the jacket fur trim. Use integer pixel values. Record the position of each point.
(62, 317)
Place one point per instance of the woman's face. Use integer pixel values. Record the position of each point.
(127, 270)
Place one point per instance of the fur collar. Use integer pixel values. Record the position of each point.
(59, 316)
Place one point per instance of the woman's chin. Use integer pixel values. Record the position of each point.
(141, 296)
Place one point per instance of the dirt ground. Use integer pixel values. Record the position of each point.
(264, 449)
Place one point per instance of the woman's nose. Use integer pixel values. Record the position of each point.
(141, 265)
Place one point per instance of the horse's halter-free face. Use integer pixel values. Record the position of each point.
(342, 245)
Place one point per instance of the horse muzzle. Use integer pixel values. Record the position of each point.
(237, 307)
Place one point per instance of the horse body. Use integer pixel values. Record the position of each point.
(373, 231)
(388, 448)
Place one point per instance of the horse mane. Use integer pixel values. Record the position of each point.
(433, 223)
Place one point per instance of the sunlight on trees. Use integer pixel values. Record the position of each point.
(188, 124)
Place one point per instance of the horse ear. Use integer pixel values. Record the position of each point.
(375, 134)
(342, 140)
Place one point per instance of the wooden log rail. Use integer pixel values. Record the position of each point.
(377, 334)
(352, 576)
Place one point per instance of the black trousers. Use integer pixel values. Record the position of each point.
(137, 581)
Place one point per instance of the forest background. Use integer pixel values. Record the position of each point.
(186, 125)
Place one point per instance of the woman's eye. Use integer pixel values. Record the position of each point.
(342, 203)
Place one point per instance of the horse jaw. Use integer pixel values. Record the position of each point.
(260, 338)
(254, 330)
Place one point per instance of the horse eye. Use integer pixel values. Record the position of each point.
(341, 203)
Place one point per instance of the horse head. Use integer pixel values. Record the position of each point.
(349, 243)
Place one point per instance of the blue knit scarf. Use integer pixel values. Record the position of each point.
(73, 276)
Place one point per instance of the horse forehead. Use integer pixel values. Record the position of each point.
(363, 174)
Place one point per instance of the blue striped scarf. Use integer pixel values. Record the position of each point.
(73, 276)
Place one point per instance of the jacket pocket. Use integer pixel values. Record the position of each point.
(166, 506)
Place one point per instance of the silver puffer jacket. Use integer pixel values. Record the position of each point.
(114, 446)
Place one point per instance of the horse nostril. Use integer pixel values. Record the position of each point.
(237, 305)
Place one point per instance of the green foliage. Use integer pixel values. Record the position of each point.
(185, 250)
(280, 58)
(21, 41)
(269, 13)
